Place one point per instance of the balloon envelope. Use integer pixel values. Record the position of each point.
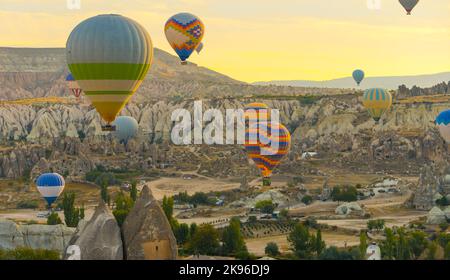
(443, 124)
(266, 147)
(73, 86)
(109, 56)
(377, 101)
(409, 5)
(358, 76)
(50, 186)
(256, 112)
(126, 128)
(184, 32)
(199, 48)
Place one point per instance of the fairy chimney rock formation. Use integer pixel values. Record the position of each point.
(147, 234)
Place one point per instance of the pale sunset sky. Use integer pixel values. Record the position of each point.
(261, 40)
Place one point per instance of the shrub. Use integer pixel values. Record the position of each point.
(53, 219)
(29, 254)
(272, 249)
(32, 204)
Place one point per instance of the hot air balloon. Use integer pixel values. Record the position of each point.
(256, 112)
(358, 76)
(377, 101)
(50, 186)
(409, 5)
(266, 147)
(126, 128)
(184, 32)
(109, 56)
(443, 123)
(73, 86)
(199, 48)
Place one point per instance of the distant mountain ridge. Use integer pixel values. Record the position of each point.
(392, 82)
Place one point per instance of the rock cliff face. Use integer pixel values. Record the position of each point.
(99, 239)
(34, 236)
(68, 135)
(146, 231)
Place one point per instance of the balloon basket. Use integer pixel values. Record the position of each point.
(184, 63)
(109, 128)
(266, 182)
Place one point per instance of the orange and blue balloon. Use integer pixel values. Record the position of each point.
(184, 32)
(267, 145)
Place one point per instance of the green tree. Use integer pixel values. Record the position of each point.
(124, 204)
(362, 243)
(388, 245)
(447, 251)
(72, 215)
(344, 193)
(53, 219)
(319, 244)
(284, 214)
(299, 240)
(403, 251)
(232, 238)
(205, 240)
(193, 229)
(418, 243)
(307, 199)
(272, 249)
(133, 190)
(167, 206)
(432, 250)
(182, 234)
(266, 206)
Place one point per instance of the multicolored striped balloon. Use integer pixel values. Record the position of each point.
(256, 112)
(377, 101)
(73, 86)
(266, 147)
(443, 123)
(50, 186)
(184, 32)
(109, 56)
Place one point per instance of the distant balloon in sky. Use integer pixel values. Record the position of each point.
(266, 147)
(50, 186)
(409, 5)
(443, 123)
(126, 128)
(109, 56)
(358, 76)
(184, 32)
(73, 86)
(377, 101)
(199, 48)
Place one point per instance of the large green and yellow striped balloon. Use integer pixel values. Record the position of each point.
(377, 101)
(109, 56)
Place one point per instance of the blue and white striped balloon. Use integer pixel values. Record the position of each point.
(443, 123)
(50, 186)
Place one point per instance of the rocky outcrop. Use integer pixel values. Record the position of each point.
(436, 216)
(351, 208)
(147, 234)
(34, 236)
(100, 238)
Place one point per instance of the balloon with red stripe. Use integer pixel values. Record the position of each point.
(73, 86)
(267, 143)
